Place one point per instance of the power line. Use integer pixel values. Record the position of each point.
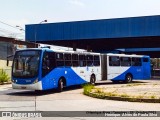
(9, 25)
(7, 33)
(4, 32)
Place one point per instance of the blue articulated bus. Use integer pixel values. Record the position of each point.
(45, 68)
(122, 67)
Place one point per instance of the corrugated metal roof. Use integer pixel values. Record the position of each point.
(141, 49)
(95, 29)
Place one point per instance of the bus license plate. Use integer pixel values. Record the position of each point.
(23, 87)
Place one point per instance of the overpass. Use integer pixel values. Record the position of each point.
(138, 35)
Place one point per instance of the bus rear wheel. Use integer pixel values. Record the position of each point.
(60, 85)
(128, 78)
(92, 79)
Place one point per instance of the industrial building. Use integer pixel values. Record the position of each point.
(8, 46)
(138, 35)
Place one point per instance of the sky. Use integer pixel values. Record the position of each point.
(23, 12)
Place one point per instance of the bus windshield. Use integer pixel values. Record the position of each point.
(26, 64)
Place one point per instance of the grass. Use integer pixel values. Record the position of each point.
(92, 91)
(135, 84)
(87, 88)
(139, 97)
(155, 84)
(125, 95)
(153, 97)
(3, 77)
(111, 94)
(98, 90)
(145, 93)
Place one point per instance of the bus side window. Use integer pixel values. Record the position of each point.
(68, 61)
(59, 59)
(48, 62)
(145, 60)
(51, 60)
(114, 61)
(82, 60)
(89, 60)
(136, 62)
(75, 60)
(125, 61)
(96, 60)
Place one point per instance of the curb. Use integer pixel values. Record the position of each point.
(103, 96)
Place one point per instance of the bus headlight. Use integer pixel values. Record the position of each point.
(35, 81)
(14, 81)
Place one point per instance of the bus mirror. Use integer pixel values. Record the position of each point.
(9, 58)
(7, 62)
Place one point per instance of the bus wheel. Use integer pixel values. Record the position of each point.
(92, 80)
(128, 78)
(60, 85)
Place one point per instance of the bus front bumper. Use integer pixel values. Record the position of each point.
(35, 86)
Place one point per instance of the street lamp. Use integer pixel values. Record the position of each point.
(43, 21)
(36, 31)
(20, 28)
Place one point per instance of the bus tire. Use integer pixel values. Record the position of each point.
(92, 79)
(128, 78)
(60, 85)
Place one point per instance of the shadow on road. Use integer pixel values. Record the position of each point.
(120, 82)
(54, 91)
(41, 93)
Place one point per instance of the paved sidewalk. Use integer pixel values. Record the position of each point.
(5, 87)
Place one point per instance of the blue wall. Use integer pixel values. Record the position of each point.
(95, 29)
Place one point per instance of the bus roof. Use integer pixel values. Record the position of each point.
(60, 50)
(126, 55)
(83, 52)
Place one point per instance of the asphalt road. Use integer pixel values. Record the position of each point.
(71, 99)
